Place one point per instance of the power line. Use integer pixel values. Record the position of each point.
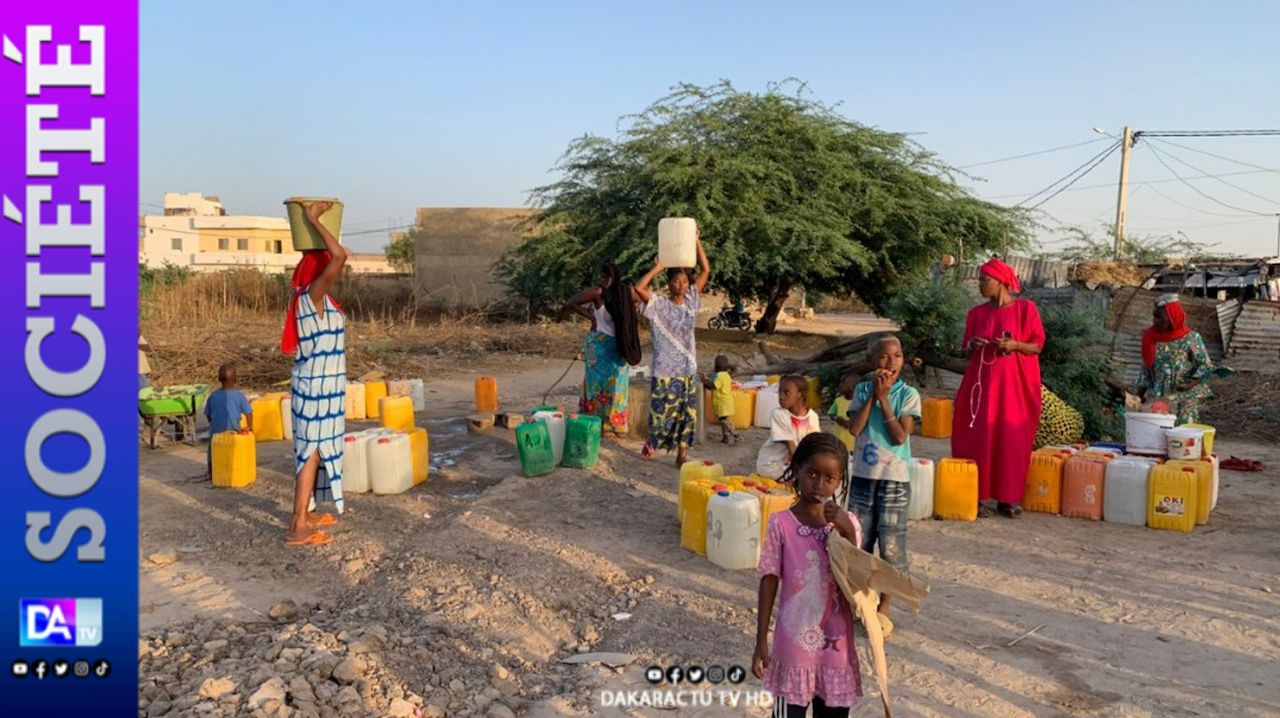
(1208, 133)
(1156, 153)
(1198, 209)
(1223, 157)
(1229, 184)
(1033, 154)
(1111, 185)
(1074, 176)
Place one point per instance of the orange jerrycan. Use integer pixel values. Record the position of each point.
(935, 420)
(1044, 482)
(1083, 477)
(486, 395)
(373, 393)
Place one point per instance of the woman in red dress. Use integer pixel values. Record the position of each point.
(998, 405)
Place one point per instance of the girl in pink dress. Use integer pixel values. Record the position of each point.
(813, 660)
(998, 405)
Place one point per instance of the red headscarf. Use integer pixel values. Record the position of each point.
(1002, 273)
(312, 266)
(1152, 337)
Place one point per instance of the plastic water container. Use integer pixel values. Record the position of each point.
(1124, 497)
(1209, 434)
(693, 521)
(418, 393)
(1083, 478)
(1204, 485)
(920, 474)
(935, 419)
(955, 495)
(744, 408)
(373, 393)
(1171, 498)
(267, 425)
(486, 395)
(1062, 447)
(1107, 447)
(733, 530)
(286, 419)
(1043, 492)
(1144, 433)
(771, 502)
(398, 388)
(677, 242)
(355, 400)
(556, 428)
(419, 454)
(303, 233)
(813, 393)
(766, 402)
(395, 413)
(695, 471)
(1184, 443)
(1217, 471)
(390, 464)
(355, 462)
(533, 442)
(235, 459)
(582, 441)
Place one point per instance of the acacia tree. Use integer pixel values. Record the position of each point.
(787, 192)
(399, 252)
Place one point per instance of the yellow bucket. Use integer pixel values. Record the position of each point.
(304, 235)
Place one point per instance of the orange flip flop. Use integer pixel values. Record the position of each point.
(325, 520)
(315, 538)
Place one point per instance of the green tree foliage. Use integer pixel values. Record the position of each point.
(1073, 364)
(1081, 245)
(167, 274)
(400, 252)
(931, 316)
(787, 192)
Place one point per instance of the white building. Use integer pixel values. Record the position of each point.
(196, 232)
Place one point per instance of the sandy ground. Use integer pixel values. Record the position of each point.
(482, 567)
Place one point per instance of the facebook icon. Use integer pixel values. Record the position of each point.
(60, 622)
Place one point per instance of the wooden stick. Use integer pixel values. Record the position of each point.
(1017, 640)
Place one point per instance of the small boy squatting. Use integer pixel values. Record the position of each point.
(224, 408)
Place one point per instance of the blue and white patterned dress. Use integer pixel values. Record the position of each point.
(319, 390)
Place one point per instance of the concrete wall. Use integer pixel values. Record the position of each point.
(456, 249)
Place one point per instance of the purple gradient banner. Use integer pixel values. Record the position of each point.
(69, 327)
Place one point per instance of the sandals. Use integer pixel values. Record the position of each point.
(985, 512)
(1009, 511)
(1235, 463)
(315, 538)
(324, 520)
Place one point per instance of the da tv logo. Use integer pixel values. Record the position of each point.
(60, 622)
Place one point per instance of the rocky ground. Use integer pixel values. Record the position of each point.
(464, 596)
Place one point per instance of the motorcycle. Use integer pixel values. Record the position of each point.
(729, 319)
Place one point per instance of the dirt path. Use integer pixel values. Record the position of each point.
(462, 595)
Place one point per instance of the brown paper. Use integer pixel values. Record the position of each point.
(860, 576)
(865, 571)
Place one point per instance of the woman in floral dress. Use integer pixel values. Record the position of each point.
(612, 344)
(1175, 364)
(673, 408)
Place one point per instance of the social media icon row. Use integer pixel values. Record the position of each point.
(695, 674)
(42, 669)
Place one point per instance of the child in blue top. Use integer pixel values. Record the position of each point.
(882, 414)
(224, 408)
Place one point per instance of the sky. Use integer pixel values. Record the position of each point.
(393, 105)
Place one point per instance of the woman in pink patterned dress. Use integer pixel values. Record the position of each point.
(813, 661)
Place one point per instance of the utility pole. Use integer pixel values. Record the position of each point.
(1278, 235)
(1126, 144)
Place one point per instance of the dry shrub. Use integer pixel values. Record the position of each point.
(238, 294)
(1116, 274)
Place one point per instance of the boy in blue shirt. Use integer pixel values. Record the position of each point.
(224, 408)
(882, 415)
